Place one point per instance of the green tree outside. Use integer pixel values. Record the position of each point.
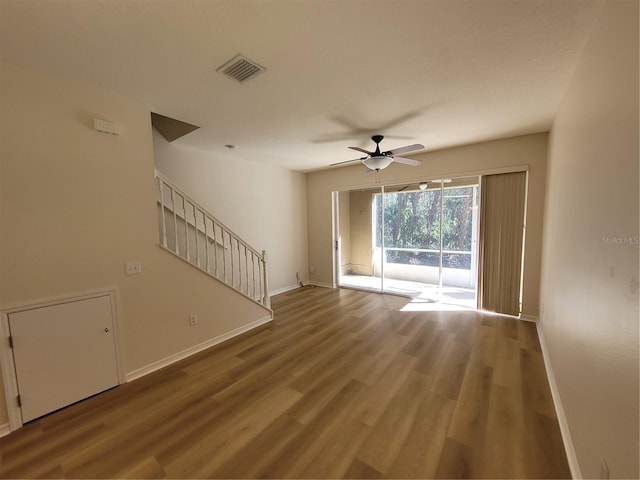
(412, 220)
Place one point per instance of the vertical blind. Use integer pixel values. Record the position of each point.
(502, 216)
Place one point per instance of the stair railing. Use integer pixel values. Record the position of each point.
(187, 230)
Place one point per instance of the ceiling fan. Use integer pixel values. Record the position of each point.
(380, 160)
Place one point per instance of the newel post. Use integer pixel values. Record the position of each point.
(266, 301)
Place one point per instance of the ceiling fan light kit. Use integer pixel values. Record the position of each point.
(377, 163)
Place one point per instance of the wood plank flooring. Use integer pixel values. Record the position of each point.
(342, 384)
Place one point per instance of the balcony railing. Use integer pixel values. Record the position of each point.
(423, 265)
(429, 257)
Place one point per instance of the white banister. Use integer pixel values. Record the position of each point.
(215, 250)
(186, 230)
(175, 221)
(184, 236)
(266, 301)
(164, 225)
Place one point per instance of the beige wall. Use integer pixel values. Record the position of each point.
(77, 204)
(488, 157)
(265, 205)
(345, 231)
(360, 225)
(590, 279)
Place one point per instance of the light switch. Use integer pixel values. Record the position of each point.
(133, 268)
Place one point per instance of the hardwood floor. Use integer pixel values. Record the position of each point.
(342, 384)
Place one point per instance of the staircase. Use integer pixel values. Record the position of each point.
(187, 230)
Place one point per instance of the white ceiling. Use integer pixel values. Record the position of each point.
(437, 72)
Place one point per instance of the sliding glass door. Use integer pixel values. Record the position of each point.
(423, 240)
(408, 243)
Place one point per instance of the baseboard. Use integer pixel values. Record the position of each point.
(284, 289)
(574, 466)
(529, 318)
(176, 357)
(297, 285)
(4, 430)
(320, 284)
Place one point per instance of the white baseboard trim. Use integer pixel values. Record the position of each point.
(320, 284)
(574, 466)
(297, 285)
(529, 318)
(4, 430)
(284, 289)
(176, 357)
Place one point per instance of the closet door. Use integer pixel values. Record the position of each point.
(502, 224)
(63, 353)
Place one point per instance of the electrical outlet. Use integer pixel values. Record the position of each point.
(193, 320)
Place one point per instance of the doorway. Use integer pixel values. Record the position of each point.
(416, 239)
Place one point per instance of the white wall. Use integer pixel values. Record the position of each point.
(486, 157)
(264, 205)
(590, 262)
(77, 204)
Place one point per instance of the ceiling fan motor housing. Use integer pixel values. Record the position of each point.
(377, 139)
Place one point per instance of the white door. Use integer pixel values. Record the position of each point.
(63, 353)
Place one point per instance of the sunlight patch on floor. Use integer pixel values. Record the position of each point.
(425, 297)
(418, 305)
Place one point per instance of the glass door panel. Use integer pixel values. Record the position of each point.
(411, 248)
(356, 245)
(430, 240)
(459, 242)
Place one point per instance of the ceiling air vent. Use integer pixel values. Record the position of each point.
(240, 69)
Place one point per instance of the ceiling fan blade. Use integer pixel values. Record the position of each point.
(407, 161)
(361, 150)
(346, 161)
(408, 148)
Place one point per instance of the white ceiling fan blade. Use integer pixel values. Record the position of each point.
(407, 161)
(408, 148)
(361, 150)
